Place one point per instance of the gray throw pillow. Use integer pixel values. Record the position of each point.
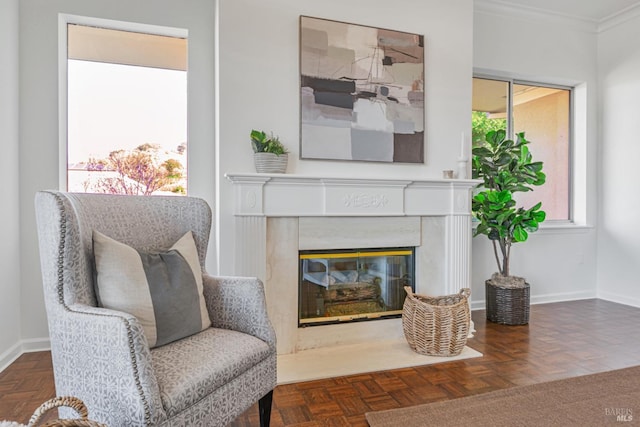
(162, 290)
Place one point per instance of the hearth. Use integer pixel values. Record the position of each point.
(339, 286)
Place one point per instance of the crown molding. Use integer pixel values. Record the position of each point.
(619, 18)
(534, 14)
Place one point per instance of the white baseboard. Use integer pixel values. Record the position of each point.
(545, 299)
(561, 297)
(620, 299)
(9, 356)
(21, 347)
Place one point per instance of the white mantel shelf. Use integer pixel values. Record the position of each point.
(274, 195)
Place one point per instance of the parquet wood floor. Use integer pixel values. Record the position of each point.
(562, 340)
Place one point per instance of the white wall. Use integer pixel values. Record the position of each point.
(259, 85)
(559, 264)
(619, 228)
(259, 80)
(257, 44)
(9, 214)
(39, 114)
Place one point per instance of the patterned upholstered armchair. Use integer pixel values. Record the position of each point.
(103, 356)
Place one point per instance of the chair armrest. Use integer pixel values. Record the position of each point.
(239, 303)
(102, 357)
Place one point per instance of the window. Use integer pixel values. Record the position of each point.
(543, 113)
(126, 111)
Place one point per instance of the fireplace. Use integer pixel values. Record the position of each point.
(277, 217)
(351, 285)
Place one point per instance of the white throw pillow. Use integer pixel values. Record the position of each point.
(162, 290)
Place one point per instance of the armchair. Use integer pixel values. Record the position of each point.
(102, 355)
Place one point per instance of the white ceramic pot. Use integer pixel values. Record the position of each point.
(270, 163)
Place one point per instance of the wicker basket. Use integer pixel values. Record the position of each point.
(72, 402)
(436, 326)
(507, 305)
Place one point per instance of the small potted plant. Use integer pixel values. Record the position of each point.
(269, 154)
(505, 167)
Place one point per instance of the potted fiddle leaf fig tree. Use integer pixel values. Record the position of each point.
(505, 167)
(269, 154)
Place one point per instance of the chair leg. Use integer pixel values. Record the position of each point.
(264, 406)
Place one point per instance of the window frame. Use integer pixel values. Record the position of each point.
(549, 223)
(64, 20)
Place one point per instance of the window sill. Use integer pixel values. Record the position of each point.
(564, 227)
(560, 227)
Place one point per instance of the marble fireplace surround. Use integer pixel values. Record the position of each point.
(276, 215)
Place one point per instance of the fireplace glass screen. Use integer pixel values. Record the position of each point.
(349, 285)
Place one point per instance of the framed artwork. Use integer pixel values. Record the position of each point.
(361, 93)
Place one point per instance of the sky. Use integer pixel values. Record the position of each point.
(112, 106)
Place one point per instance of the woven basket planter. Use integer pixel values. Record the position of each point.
(436, 326)
(507, 305)
(270, 163)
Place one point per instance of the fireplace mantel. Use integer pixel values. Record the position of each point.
(301, 195)
(272, 216)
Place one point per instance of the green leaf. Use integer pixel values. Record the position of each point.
(481, 152)
(481, 229)
(522, 188)
(536, 207)
(503, 196)
(504, 159)
(534, 167)
(258, 140)
(481, 195)
(507, 144)
(524, 154)
(520, 234)
(495, 137)
(258, 135)
(531, 226)
(521, 138)
(501, 218)
(493, 196)
(540, 216)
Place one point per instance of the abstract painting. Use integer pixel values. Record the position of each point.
(361, 93)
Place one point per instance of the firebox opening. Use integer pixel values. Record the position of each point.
(337, 286)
